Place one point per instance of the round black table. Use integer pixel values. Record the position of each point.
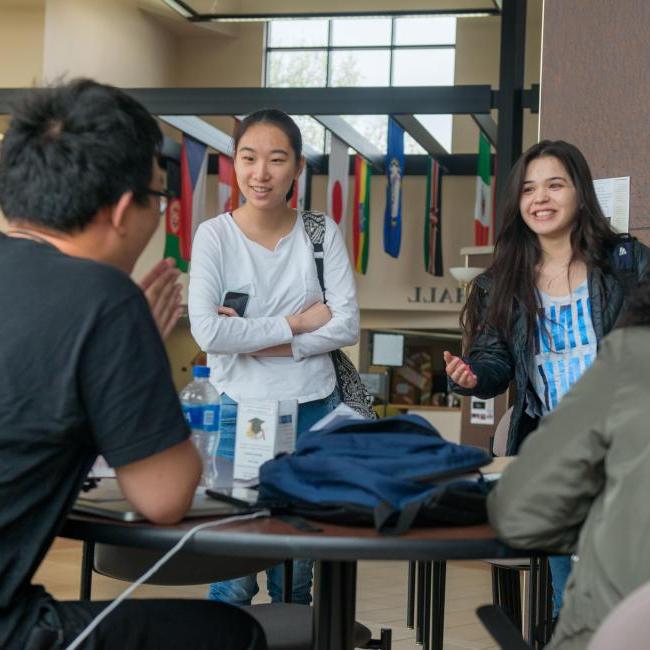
(336, 550)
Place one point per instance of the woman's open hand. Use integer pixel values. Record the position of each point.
(163, 292)
(459, 372)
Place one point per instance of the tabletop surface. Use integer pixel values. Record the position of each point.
(275, 538)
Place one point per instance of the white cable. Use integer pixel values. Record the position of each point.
(165, 558)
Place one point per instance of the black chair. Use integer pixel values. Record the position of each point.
(499, 625)
(287, 626)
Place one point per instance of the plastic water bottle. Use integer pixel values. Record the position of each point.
(201, 405)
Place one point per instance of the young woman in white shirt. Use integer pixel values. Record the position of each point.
(280, 348)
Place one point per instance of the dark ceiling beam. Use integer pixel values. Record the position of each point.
(342, 130)
(487, 125)
(420, 134)
(202, 131)
(376, 13)
(317, 101)
(455, 100)
(301, 101)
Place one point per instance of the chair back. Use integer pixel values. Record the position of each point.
(128, 563)
(627, 625)
(500, 442)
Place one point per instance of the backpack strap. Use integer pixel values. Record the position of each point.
(314, 223)
(384, 512)
(624, 262)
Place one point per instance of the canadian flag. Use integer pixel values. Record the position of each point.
(337, 185)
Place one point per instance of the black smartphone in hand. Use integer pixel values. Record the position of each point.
(236, 301)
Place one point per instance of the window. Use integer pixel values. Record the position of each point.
(357, 52)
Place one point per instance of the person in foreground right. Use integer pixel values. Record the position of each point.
(581, 481)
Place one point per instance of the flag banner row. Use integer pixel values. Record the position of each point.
(361, 216)
(432, 220)
(394, 173)
(188, 183)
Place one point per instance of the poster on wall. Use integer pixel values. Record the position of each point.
(614, 197)
(481, 411)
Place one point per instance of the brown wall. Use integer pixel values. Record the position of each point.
(596, 90)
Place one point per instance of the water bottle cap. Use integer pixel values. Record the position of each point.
(201, 371)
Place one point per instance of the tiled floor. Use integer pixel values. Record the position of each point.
(381, 595)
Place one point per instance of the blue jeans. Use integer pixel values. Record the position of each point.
(560, 566)
(240, 591)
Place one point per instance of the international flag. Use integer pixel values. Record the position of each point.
(337, 184)
(394, 172)
(299, 195)
(432, 221)
(483, 205)
(361, 214)
(173, 217)
(228, 193)
(194, 173)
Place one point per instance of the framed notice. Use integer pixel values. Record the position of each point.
(614, 198)
(387, 349)
(481, 411)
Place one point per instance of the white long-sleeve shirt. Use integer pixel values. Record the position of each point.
(279, 283)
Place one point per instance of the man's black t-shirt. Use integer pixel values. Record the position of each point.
(83, 371)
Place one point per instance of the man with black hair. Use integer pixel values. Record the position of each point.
(83, 370)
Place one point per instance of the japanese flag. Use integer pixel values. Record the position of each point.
(337, 185)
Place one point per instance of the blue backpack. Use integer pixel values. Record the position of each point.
(391, 473)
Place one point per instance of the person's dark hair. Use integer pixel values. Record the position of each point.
(517, 251)
(71, 150)
(638, 312)
(275, 118)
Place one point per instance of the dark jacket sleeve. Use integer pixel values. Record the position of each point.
(489, 357)
(642, 254)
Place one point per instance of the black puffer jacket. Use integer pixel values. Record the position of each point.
(496, 362)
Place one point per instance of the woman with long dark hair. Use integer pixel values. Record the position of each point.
(559, 280)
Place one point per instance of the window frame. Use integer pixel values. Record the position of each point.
(391, 47)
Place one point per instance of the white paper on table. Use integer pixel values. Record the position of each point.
(341, 413)
(614, 197)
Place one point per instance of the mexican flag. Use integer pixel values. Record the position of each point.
(361, 214)
(337, 184)
(483, 205)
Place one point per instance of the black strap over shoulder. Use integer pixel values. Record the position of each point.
(624, 258)
(315, 228)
